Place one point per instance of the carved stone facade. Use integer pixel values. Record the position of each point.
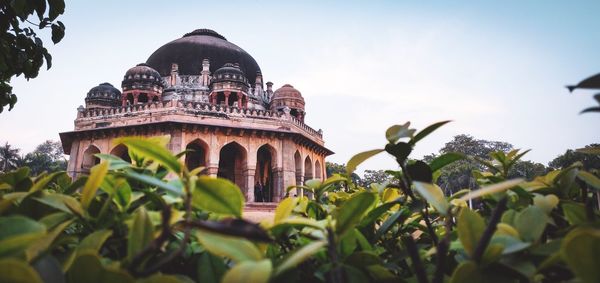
(235, 128)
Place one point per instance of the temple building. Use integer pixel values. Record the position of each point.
(208, 95)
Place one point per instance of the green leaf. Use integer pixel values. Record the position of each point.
(17, 232)
(140, 234)
(492, 189)
(284, 209)
(236, 249)
(163, 278)
(218, 196)
(396, 132)
(445, 159)
(574, 212)
(88, 268)
(299, 256)
(93, 182)
(434, 195)
(580, 249)
(546, 203)
(589, 179)
(152, 149)
(116, 163)
(351, 211)
(467, 272)
(153, 181)
(44, 181)
(470, 227)
(210, 268)
(63, 203)
(425, 132)
(57, 7)
(530, 223)
(17, 271)
(248, 271)
(38, 247)
(93, 242)
(360, 158)
(58, 32)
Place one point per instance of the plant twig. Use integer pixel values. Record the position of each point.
(337, 274)
(442, 250)
(489, 230)
(411, 248)
(156, 243)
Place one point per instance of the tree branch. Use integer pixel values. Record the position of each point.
(489, 230)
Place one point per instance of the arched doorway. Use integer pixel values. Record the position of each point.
(318, 169)
(196, 156)
(121, 152)
(143, 98)
(232, 162)
(233, 99)
(265, 160)
(89, 160)
(308, 169)
(130, 99)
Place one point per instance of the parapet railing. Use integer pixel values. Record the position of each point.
(197, 106)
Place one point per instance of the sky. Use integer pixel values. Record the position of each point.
(497, 70)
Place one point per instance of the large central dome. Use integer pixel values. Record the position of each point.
(189, 51)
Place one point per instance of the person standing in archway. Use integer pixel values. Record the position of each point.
(258, 192)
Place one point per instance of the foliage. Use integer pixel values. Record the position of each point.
(9, 157)
(589, 161)
(475, 153)
(152, 220)
(47, 156)
(23, 52)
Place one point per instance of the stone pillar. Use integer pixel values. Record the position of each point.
(212, 169)
(227, 93)
(239, 102)
(278, 184)
(249, 190)
(135, 97)
(73, 160)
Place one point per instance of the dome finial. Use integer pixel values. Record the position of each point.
(204, 31)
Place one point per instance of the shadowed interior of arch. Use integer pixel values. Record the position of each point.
(122, 152)
(264, 173)
(196, 156)
(232, 160)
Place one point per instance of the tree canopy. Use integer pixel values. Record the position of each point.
(22, 51)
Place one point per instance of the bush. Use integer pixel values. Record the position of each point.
(153, 220)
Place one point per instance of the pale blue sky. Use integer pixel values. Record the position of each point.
(498, 70)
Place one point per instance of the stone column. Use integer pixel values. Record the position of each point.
(212, 169)
(278, 184)
(249, 177)
(227, 93)
(135, 97)
(239, 102)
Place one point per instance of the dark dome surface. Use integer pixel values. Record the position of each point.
(189, 51)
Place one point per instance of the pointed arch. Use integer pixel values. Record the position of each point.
(121, 151)
(266, 157)
(89, 158)
(318, 170)
(197, 155)
(232, 162)
(308, 169)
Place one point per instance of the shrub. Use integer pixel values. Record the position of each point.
(153, 220)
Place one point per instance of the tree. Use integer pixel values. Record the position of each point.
(590, 161)
(9, 157)
(47, 156)
(334, 168)
(458, 175)
(374, 176)
(22, 52)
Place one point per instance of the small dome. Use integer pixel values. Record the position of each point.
(288, 92)
(229, 72)
(141, 76)
(288, 96)
(103, 95)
